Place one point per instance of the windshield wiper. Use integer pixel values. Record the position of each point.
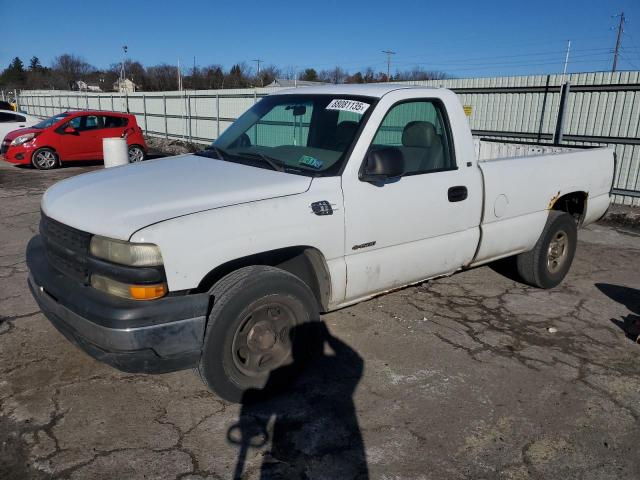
(274, 163)
(222, 155)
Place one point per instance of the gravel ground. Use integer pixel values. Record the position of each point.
(471, 376)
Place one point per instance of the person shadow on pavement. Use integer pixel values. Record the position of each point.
(311, 428)
(630, 298)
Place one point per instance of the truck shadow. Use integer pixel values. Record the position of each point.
(310, 430)
(630, 298)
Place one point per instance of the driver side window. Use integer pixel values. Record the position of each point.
(75, 123)
(419, 130)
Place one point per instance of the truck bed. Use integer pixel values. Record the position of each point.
(523, 181)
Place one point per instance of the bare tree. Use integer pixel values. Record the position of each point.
(67, 69)
(267, 75)
(162, 77)
(335, 75)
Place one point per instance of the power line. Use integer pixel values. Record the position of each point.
(628, 60)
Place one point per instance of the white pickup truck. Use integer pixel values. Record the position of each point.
(314, 199)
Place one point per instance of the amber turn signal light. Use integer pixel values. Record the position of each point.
(147, 292)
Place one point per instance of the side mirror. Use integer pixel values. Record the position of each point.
(70, 130)
(383, 164)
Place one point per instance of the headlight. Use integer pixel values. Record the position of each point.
(124, 290)
(126, 253)
(23, 139)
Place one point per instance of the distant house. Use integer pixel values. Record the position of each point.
(285, 82)
(83, 87)
(124, 86)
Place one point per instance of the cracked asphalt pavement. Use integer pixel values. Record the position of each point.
(471, 376)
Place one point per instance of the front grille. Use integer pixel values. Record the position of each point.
(67, 248)
(4, 147)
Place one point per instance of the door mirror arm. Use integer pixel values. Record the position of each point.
(70, 131)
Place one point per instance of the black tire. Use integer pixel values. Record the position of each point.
(261, 299)
(136, 153)
(550, 260)
(45, 159)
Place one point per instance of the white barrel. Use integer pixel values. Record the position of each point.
(115, 152)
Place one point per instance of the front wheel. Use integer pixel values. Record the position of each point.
(45, 159)
(256, 331)
(550, 260)
(136, 154)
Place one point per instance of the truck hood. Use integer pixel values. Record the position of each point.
(116, 202)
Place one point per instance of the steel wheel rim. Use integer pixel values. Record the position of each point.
(262, 343)
(135, 155)
(558, 251)
(45, 159)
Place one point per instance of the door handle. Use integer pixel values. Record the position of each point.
(458, 193)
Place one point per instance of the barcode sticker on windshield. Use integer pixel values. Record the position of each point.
(348, 106)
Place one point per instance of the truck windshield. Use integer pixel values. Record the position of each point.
(302, 134)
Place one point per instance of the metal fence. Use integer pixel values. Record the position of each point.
(600, 108)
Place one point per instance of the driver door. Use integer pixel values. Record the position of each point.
(410, 228)
(86, 142)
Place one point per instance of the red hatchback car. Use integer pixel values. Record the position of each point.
(72, 136)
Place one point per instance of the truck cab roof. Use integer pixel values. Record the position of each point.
(377, 90)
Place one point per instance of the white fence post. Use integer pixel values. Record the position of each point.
(144, 111)
(164, 106)
(217, 115)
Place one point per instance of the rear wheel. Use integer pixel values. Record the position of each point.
(550, 260)
(136, 154)
(45, 159)
(254, 329)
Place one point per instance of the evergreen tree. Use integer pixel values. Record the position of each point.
(34, 64)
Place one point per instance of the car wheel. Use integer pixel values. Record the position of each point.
(253, 329)
(550, 260)
(45, 159)
(136, 154)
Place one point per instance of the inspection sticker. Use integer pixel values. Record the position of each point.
(311, 162)
(348, 106)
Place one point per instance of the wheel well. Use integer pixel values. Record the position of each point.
(306, 263)
(574, 203)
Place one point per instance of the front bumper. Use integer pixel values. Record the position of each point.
(19, 154)
(133, 336)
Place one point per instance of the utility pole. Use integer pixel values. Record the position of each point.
(618, 41)
(389, 53)
(257, 60)
(566, 58)
(123, 74)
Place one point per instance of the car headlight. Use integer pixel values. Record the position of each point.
(126, 253)
(23, 139)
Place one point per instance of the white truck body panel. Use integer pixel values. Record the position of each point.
(512, 221)
(134, 196)
(203, 212)
(224, 234)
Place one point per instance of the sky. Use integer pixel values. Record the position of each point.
(464, 38)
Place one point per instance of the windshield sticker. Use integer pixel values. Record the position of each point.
(348, 106)
(312, 162)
